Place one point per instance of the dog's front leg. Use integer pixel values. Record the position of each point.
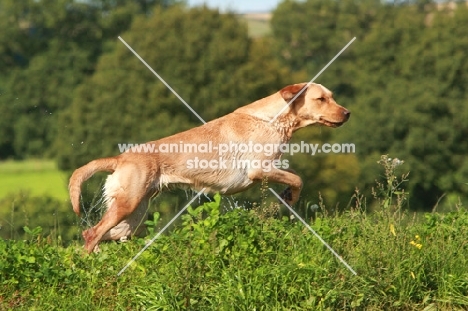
(290, 194)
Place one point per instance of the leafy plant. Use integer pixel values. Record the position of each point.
(241, 259)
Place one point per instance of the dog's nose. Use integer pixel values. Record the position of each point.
(347, 114)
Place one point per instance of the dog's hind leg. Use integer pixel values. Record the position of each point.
(133, 225)
(124, 191)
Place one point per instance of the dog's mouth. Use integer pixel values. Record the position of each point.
(330, 123)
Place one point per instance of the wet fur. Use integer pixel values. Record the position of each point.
(136, 177)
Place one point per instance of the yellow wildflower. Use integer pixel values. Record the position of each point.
(392, 229)
(417, 245)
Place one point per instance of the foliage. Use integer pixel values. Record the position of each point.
(47, 53)
(21, 209)
(414, 101)
(215, 261)
(41, 100)
(69, 90)
(309, 33)
(205, 56)
(403, 79)
(330, 176)
(390, 192)
(35, 94)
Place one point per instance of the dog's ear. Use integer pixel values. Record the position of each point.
(290, 91)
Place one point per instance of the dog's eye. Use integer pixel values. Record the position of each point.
(322, 99)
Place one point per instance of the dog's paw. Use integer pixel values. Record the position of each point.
(287, 195)
(88, 235)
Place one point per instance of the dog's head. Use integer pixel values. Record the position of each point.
(315, 105)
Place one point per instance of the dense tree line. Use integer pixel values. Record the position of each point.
(47, 49)
(69, 89)
(405, 80)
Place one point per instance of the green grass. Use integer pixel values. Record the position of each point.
(243, 261)
(40, 177)
(248, 260)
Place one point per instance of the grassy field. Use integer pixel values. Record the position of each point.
(258, 24)
(40, 177)
(248, 260)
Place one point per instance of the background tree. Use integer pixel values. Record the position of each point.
(49, 48)
(410, 82)
(307, 35)
(66, 34)
(69, 89)
(403, 79)
(208, 58)
(205, 56)
(17, 45)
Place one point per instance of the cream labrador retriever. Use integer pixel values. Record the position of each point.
(139, 175)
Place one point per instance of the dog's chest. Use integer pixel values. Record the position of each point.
(226, 180)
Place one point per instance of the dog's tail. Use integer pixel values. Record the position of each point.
(83, 173)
